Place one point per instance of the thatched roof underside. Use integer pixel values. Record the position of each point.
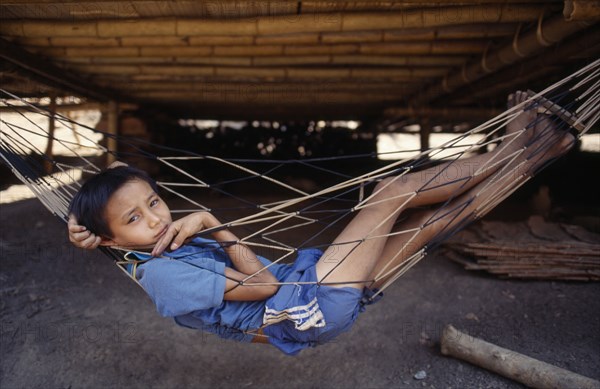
(296, 59)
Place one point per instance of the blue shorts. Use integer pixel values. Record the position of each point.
(303, 314)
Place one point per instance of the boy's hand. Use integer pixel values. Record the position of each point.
(182, 229)
(80, 236)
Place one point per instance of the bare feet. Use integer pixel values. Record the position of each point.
(545, 131)
(540, 138)
(522, 126)
(554, 138)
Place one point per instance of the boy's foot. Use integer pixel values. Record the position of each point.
(523, 125)
(540, 137)
(537, 127)
(555, 139)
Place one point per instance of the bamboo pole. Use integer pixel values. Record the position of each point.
(533, 68)
(381, 60)
(477, 31)
(448, 47)
(321, 49)
(352, 37)
(313, 6)
(242, 87)
(266, 73)
(351, 59)
(272, 25)
(174, 51)
(289, 39)
(581, 10)
(78, 42)
(501, 84)
(529, 44)
(99, 51)
(511, 364)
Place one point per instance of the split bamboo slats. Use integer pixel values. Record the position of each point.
(532, 260)
(541, 251)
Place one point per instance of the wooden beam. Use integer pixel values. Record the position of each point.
(284, 98)
(50, 141)
(48, 73)
(443, 113)
(113, 130)
(191, 109)
(66, 108)
(424, 134)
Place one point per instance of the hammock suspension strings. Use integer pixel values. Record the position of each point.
(573, 102)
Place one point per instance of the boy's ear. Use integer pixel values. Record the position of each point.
(107, 242)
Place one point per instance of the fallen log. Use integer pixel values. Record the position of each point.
(511, 364)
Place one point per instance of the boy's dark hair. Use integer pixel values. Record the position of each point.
(89, 203)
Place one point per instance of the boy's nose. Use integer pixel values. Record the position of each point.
(153, 219)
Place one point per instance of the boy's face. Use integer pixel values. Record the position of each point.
(136, 216)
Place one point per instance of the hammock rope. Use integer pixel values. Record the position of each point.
(570, 103)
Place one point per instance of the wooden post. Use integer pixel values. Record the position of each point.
(113, 130)
(424, 134)
(51, 127)
(511, 364)
(69, 116)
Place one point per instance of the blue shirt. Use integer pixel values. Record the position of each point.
(190, 288)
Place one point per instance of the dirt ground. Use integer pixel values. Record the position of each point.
(70, 318)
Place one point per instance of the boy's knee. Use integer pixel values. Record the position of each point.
(397, 185)
(427, 221)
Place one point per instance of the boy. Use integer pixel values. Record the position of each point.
(221, 286)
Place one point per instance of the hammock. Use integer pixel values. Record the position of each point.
(571, 102)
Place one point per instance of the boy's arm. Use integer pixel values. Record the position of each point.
(260, 286)
(254, 289)
(245, 261)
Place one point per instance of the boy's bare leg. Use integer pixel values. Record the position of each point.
(428, 225)
(450, 179)
(355, 252)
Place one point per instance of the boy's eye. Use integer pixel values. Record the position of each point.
(133, 218)
(153, 202)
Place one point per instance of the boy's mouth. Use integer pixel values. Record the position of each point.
(162, 231)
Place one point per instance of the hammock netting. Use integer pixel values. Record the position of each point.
(282, 227)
